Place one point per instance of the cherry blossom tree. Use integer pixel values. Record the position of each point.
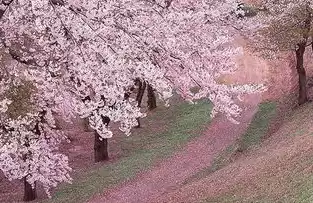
(29, 139)
(286, 26)
(91, 52)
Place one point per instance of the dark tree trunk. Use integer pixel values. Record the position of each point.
(303, 96)
(151, 98)
(85, 120)
(141, 90)
(139, 124)
(29, 192)
(101, 152)
(86, 124)
(100, 148)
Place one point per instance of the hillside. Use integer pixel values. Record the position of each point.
(278, 170)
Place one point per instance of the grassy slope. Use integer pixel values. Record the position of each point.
(172, 128)
(253, 137)
(287, 176)
(259, 126)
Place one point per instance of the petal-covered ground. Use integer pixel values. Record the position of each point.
(172, 172)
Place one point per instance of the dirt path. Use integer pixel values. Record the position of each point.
(171, 173)
(276, 172)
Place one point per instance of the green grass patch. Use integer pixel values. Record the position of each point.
(223, 159)
(181, 123)
(234, 195)
(235, 199)
(296, 185)
(305, 192)
(290, 180)
(303, 181)
(224, 199)
(259, 126)
(296, 188)
(253, 136)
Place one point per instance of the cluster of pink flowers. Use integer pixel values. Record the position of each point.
(73, 49)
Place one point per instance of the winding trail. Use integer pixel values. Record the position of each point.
(169, 174)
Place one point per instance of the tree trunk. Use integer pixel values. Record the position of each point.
(151, 98)
(86, 124)
(29, 192)
(141, 90)
(138, 121)
(303, 97)
(101, 152)
(85, 120)
(100, 148)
